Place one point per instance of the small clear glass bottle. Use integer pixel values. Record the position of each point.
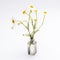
(32, 48)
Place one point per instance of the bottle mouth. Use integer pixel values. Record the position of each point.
(32, 42)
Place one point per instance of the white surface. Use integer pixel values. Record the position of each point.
(14, 47)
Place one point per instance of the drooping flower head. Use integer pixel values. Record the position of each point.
(13, 21)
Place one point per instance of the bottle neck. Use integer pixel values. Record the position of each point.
(31, 40)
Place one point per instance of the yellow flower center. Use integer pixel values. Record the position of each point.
(24, 12)
(31, 6)
(36, 11)
(45, 12)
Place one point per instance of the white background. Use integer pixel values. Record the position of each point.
(13, 46)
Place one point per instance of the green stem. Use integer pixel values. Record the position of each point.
(34, 26)
(28, 23)
(31, 36)
(41, 24)
(35, 22)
